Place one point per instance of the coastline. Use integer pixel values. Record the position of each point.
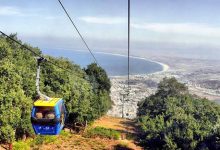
(165, 67)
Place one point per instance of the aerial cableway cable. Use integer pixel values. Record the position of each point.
(20, 44)
(78, 32)
(127, 91)
(36, 54)
(128, 46)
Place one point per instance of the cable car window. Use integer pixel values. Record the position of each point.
(45, 113)
(60, 108)
(63, 108)
(62, 111)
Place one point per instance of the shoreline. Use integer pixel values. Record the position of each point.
(165, 67)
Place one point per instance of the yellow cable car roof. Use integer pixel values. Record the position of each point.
(52, 102)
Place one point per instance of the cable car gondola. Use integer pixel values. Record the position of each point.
(48, 114)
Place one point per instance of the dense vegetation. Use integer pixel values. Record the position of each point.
(85, 91)
(174, 119)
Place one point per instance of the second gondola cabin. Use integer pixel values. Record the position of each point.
(48, 117)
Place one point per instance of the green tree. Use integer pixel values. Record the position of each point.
(14, 105)
(17, 89)
(170, 87)
(174, 119)
(98, 76)
(101, 84)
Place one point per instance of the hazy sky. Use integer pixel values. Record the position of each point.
(155, 24)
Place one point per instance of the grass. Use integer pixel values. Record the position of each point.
(21, 145)
(43, 139)
(65, 134)
(103, 133)
(34, 143)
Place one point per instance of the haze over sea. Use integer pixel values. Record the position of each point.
(114, 64)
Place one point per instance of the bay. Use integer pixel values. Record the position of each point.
(114, 64)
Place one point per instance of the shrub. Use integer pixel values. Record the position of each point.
(41, 139)
(65, 134)
(38, 140)
(50, 139)
(103, 133)
(20, 145)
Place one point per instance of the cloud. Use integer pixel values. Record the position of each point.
(9, 10)
(181, 28)
(18, 12)
(103, 20)
(50, 17)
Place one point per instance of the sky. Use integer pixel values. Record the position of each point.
(160, 26)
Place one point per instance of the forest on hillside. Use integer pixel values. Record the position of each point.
(85, 91)
(174, 119)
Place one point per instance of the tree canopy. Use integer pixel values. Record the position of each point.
(17, 89)
(174, 119)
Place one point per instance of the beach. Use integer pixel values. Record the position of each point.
(164, 66)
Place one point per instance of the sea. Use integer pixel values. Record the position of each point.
(114, 64)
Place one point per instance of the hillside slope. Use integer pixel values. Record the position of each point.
(69, 141)
(126, 141)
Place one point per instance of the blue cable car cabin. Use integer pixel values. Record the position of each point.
(48, 117)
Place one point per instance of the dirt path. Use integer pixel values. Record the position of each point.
(116, 123)
(125, 126)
